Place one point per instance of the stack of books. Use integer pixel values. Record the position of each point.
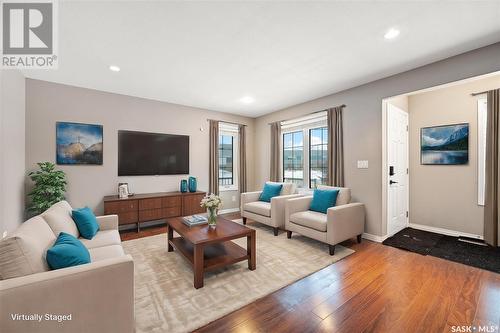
(194, 220)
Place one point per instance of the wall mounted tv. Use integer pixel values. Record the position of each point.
(143, 154)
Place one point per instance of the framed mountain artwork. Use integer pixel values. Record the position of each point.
(444, 145)
(79, 144)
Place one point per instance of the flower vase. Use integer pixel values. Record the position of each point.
(212, 218)
(184, 186)
(193, 184)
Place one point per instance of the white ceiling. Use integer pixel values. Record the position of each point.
(211, 54)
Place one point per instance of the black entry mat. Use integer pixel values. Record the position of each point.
(414, 240)
(446, 247)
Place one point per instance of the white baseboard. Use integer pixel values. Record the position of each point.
(444, 231)
(374, 238)
(229, 210)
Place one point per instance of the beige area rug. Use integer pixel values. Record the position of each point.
(166, 301)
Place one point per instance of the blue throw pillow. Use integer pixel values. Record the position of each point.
(67, 251)
(323, 199)
(86, 222)
(269, 191)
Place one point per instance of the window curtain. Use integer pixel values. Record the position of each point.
(491, 204)
(243, 158)
(274, 174)
(335, 147)
(213, 176)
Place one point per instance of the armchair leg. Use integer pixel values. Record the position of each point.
(332, 249)
(288, 234)
(244, 221)
(359, 238)
(275, 231)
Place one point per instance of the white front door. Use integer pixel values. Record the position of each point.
(397, 162)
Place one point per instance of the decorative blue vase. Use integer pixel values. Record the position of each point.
(192, 184)
(184, 186)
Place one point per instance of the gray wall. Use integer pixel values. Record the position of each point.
(12, 149)
(363, 122)
(47, 103)
(445, 196)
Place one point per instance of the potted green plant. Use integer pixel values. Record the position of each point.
(50, 187)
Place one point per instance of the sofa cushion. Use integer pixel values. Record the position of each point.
(344, 196)
(270, 191)
(287, 189)
(59, 219)
(106, 252)
(13, 263)
(23, 252)
(102, 238)
(258, 207)
(310, 219)
(86, 222)
(67, 251)
(323, 199)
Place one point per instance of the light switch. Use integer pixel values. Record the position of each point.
(363, 164)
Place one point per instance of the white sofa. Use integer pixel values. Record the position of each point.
(99, 296)
(269, 213)
(343, 221)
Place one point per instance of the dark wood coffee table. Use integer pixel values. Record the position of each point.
(208, 249)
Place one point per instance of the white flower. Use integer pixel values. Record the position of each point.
(211, 201)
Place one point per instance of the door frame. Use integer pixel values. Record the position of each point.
(385, 168)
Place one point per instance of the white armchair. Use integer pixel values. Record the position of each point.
(343, 221)
(269, 213)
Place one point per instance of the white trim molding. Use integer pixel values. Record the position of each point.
(374, 238)
(229, 210)
(481, 148)
(443, 231)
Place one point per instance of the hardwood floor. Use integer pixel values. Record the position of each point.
(377, 289)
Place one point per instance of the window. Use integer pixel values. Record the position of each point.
(228, 157)
(226, 166)
(305, 150)
(293, 158)
(481, 149)
(318, 156)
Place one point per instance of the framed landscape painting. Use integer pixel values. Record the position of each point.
(79, 144)
(445, 145)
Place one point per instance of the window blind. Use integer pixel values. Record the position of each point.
(318, 117)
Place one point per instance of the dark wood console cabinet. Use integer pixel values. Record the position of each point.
(153, 206)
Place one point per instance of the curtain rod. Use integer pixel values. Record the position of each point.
(227, 122)
(482, 92)
(341, 106)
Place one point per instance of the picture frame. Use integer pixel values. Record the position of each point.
(445, 144)
(79, 144)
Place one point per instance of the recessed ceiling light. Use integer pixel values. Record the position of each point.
(391, 33)
(247, 100)
(114, 68)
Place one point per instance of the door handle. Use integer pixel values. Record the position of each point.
(392, 182)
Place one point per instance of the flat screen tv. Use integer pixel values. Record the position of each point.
(142, 154)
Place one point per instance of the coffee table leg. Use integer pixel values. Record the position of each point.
(198, 266)
(170, 236)
(251, 251)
